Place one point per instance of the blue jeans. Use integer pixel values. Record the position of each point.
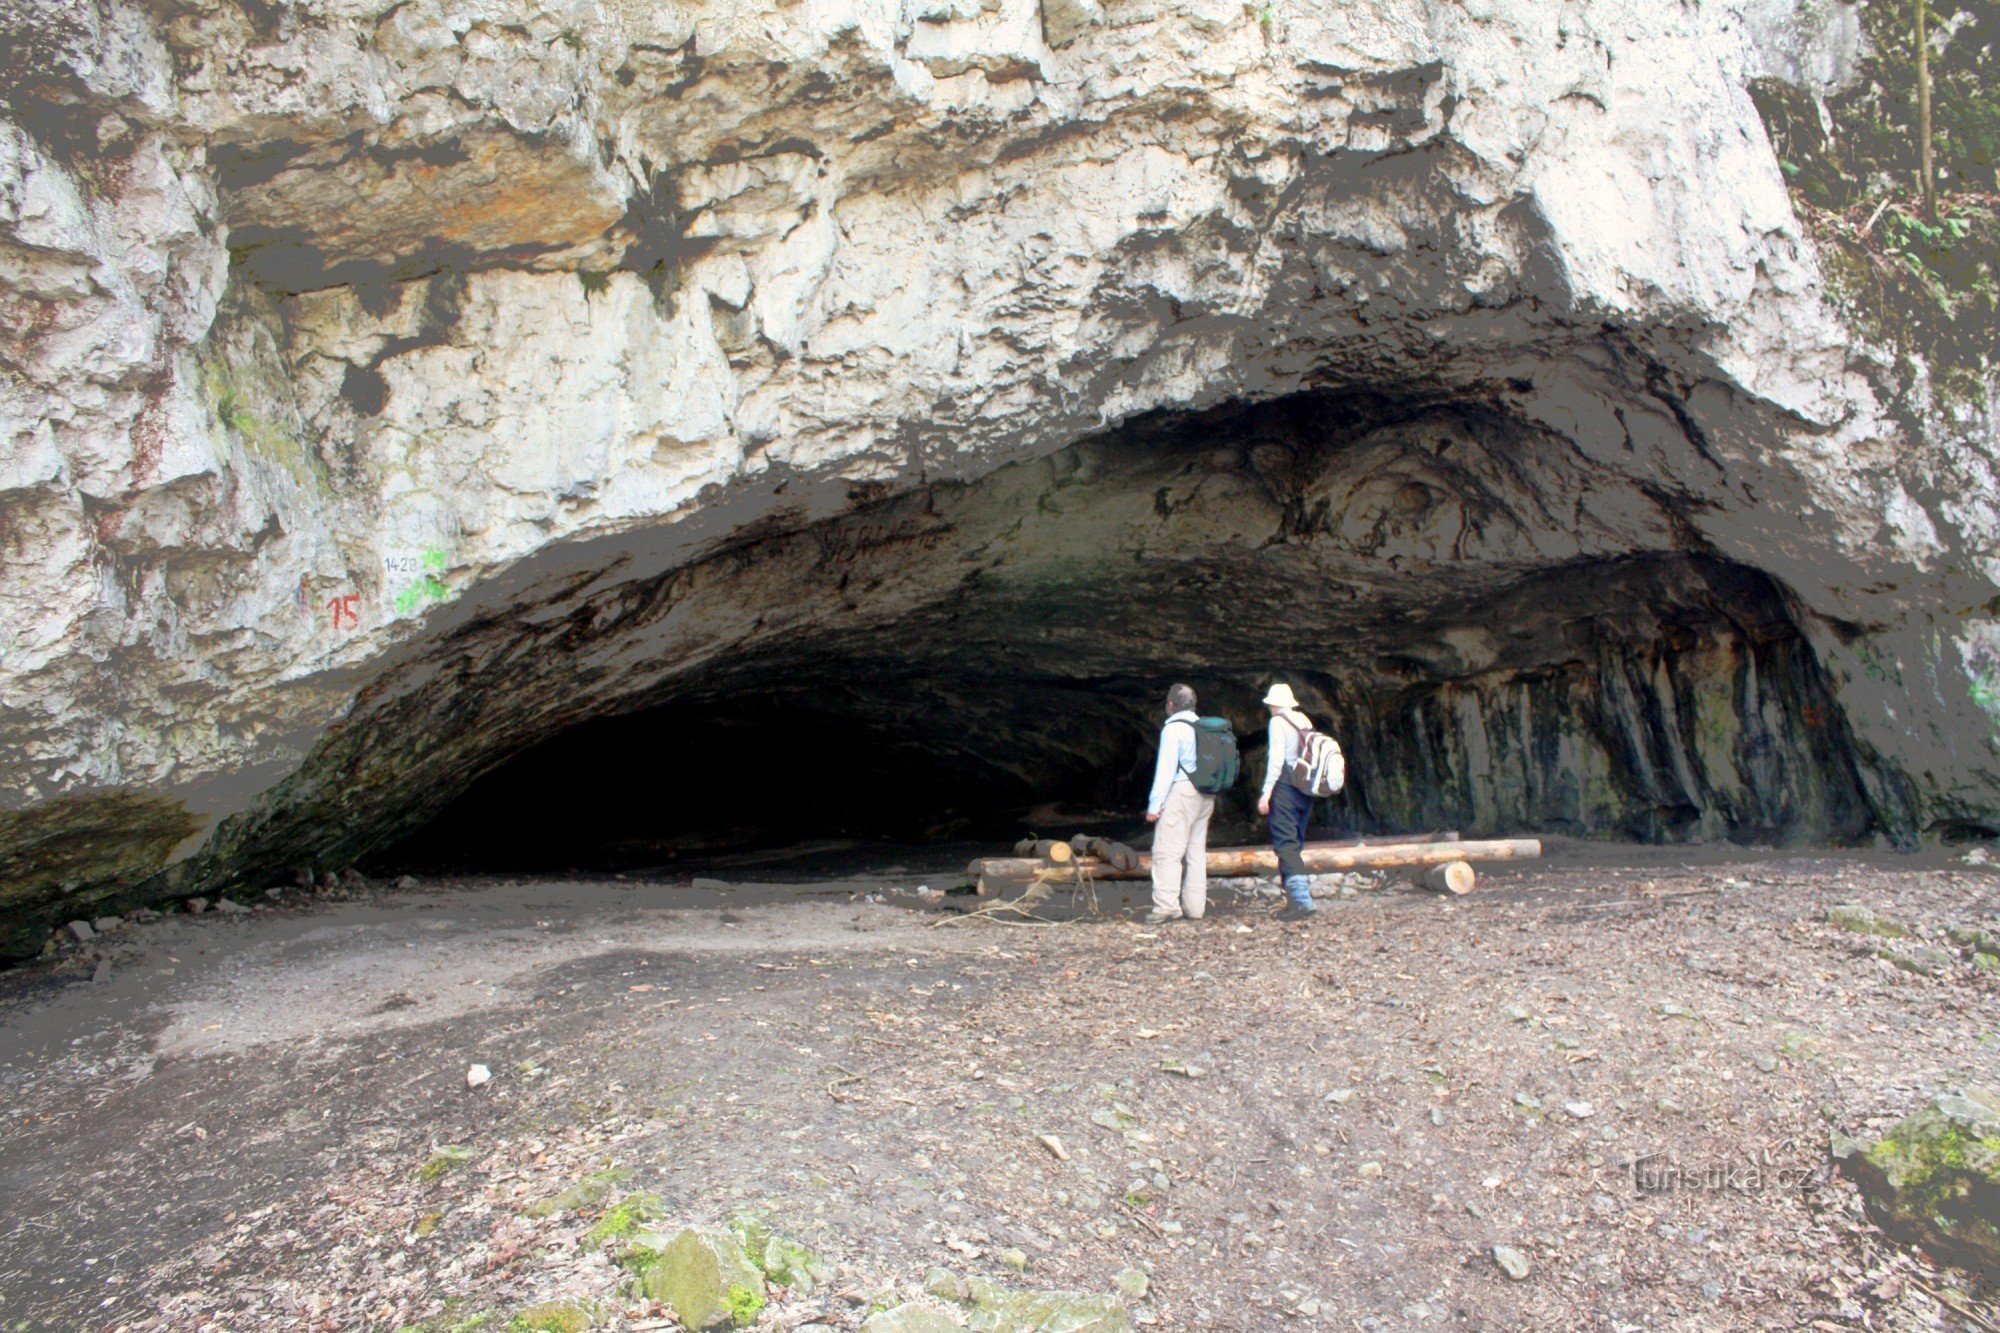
(1291, 809)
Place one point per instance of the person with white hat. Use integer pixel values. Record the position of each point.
(1288, 806)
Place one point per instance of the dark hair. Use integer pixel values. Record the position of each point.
(1180, 699)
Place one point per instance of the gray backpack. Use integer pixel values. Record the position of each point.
(1320, 769)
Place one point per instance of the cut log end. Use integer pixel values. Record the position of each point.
(1453, 877)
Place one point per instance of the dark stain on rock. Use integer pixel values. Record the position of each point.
(77, 855)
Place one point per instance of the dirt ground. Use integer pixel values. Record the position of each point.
(223, 1122)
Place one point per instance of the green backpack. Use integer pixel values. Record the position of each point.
(1216, 762)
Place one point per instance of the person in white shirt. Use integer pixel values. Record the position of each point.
(1288, 807)
(1180, 814)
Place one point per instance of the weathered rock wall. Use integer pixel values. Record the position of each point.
(352, 346)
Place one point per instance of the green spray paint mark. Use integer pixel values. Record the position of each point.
(429, 588)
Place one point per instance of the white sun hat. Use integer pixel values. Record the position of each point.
(1280, 696)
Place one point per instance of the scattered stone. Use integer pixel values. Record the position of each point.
(196, 906)
(230, 907)
(946, 1285)
(329, 880)
(353, 878)
(1863, 921)
(82, 931)
(1369, 1170)
(586, 1193)
(557, 1317)
(909, 1317)
(104, 925)
(1924, 962)
(478, 1076)
(102, 972)
(1768, 1063)
(1579, 1110)
(274, 893)
(1527, 1101)
(1132, 1283)
(704, 1274)
(1514, 1263)
(997, 1310)
(1340, 1096)
(1934, 1179)
(1978, 856)
(1968, 937)
(1055, 1146)
(1116, 1116)
(1015, 1259)
(1515, 1013)
(783, 1260)
(445, 1158)
(407, 882)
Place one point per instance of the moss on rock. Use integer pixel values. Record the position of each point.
(445, 1158)
(1863, 921)
(555, 1317)
(703, 1273)
(1934, 1179)
(909, 1317)
(995, 1309)
(623, 1219)
(783, 1260)
(591, 1190)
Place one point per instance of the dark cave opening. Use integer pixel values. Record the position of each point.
(1506, 635)
(1667, 699)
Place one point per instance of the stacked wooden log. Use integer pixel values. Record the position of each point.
(1444, 865)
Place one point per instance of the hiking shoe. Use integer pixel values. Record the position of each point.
(1293, 912)
(1158, 918)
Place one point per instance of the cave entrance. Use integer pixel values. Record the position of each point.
(825, 773)
(1505, 635)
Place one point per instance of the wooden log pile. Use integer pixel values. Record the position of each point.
(1443, 865)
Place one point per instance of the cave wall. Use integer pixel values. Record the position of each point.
(388, 385)
(1510, 644)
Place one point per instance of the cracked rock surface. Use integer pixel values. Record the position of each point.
(386, 386)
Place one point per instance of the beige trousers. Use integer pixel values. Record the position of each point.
(1180, 853)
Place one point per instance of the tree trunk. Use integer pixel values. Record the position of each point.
(1929, 163)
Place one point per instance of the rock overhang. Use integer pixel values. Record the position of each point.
(773, 266)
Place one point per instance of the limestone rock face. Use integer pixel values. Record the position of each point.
(389, 383)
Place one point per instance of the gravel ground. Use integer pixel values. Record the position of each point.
(1622, 1064)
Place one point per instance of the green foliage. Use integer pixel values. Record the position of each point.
(1985, 689)
(1852, 160)
(1866, 144)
